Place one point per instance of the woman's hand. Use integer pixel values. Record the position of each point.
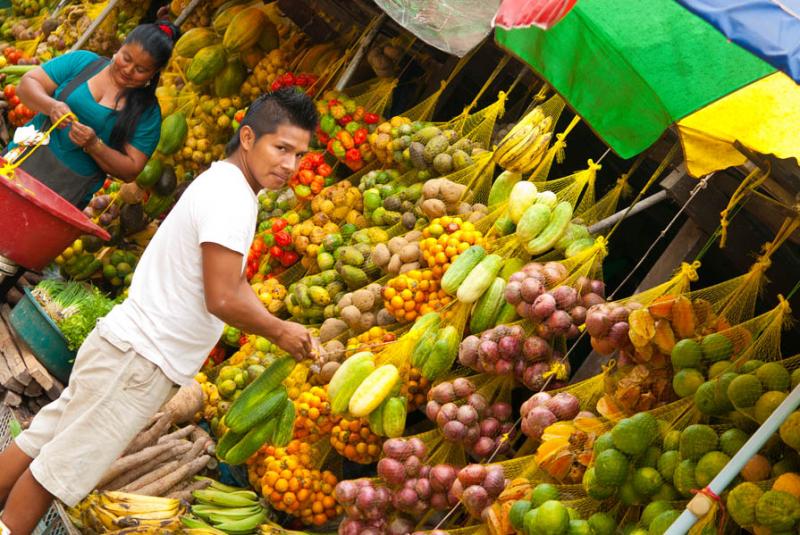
(82, 135)
(295, 340)
(57, 111)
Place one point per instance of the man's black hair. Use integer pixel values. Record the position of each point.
(270, 110)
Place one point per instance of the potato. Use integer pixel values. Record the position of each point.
(413, 236)
(334, 351)
(409, 253)
(478, 207)
(394, 265)
(327, 371)
(363, 300)
(381, 255)
(408, 267)
(474, 217)
(377, 293)
(464, 208)
(450, 192)
(367, 321)
(351, 314)
(331, 328)
(433, 208)
(345, 301)
(396, 243)
(430, 190)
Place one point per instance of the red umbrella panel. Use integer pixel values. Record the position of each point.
(543, 14)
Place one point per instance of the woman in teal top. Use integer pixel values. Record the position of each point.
(118, 119)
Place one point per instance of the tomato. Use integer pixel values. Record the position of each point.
(282, 238)
(371, 118)
(275, 251)
(279, 224)
(14, 101)
(324, 170)
(289, 258)
(9, 91)
(306, 176)
(360, 136)
(353, 155)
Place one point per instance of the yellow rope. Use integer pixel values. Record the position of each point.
(748, 185)
(7, 169)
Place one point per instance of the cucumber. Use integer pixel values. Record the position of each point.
(353, 380)
(375, 419)
(343, 372)
(228, 440)
(562, 215)
(533, 222)
(487, 307)
(394, 417)
(256, 394)
(479, 279)
(423, 348)
(547, 198)
(425, 323)
(507, 314)
(268, 406)
(285, 427)
(443, 354)
(461, 267)
(251, 442)
(578, 246)
(373, 390)
(504, 225)
(573, 233)
(501, 189)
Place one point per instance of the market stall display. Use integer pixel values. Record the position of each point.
(451, 277)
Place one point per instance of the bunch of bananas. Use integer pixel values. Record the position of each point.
(118, 512)
(521, 150)
(224, 509)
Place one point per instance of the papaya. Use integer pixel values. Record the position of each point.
(229, 81)
(244, 29)
(224, 15)
(269, 38)
(251, 57)
(206, 64)
(194, 40)
(173, 133)
(150, 173)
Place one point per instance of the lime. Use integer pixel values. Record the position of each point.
(611, 467)
(109, 271)
(602, 524)
(516, 515)
(662, 522)
(697, 440)
(602, 443)
(750, 366)
(579, 527)
(647, 481)
(667, 463)
(716, 347)
(123, 268)
(709, 466)
(650, 457)
(687, 381)
(686, 354)
(628, 495)
(594, 489)
(744, 391)
(718, 368)
(652, 510)
(552, 518)
(774, 376)
(542, 493)
(666, 493)
(767, 404)
(672, 440)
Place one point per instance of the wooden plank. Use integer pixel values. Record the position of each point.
(33, 390)
(12, 399)
(683, 248)
(36, 369)
(54, 391)
(9, 348)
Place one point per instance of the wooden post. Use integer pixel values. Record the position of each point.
(366, 41)
(186, 12)
(94, 25)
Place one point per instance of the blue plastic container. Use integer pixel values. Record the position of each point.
(43, 337)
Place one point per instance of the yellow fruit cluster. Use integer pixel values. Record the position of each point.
(272, 293)
(354, 440)
(381, 139)
(342, 203)
(209, 129)
(289, 482)
(444, 239)
(314, 418)
(413, 294)
(308, 235)
(268, 68)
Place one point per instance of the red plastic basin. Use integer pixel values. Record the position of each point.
(36, 223)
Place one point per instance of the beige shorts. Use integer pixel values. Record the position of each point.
(113, 393)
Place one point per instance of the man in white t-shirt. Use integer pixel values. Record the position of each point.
(188, 283)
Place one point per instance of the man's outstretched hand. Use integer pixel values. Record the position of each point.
(295, 340)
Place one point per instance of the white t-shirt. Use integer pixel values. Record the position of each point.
(165, 318)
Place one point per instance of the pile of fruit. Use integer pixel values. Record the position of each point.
(313, 175)
(466, 417)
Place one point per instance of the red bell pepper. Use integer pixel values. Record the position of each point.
(353, 155)
(282, 238)
(279, 224)
(275, 251)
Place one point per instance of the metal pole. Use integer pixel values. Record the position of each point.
(640, 206)
(186, 12)
(344, 79)
(59, 7)
(701, 504)
(93, 26)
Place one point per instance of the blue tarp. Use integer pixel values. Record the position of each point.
(770, 29)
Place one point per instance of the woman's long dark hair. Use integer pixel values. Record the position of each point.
(157, 40)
